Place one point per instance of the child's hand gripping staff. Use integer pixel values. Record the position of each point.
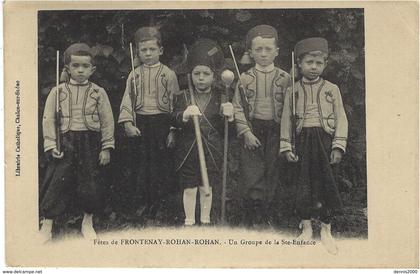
(192, 111)
(250, 140)
(291, 155)
(56, 152)
(130, 128)
(227, 78)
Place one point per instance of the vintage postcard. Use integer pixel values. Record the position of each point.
(212, 134)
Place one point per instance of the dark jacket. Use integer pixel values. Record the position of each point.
(211, 126)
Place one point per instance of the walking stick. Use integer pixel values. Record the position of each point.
(244, 99)
(227, 78)
(202, 159)
(57, 105)
(57, 124)
(133, 92)
(293, 137)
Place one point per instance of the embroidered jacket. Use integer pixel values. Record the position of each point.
(96, 114)
(278, 87)
(165, 83)
(333, 117)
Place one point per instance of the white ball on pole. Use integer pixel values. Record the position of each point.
(227, 77)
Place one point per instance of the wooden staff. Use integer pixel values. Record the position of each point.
(133, 92)
(293, 106)
(227, 78)
(57, 105)
(202, 158)
(242, 94)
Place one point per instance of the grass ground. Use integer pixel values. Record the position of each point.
(351, 224)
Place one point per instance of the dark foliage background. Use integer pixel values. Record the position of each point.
(110, 33)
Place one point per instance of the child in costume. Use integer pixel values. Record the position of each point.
(321, 138)
(205, 59)
(87, 136)
(146, 118)
(264, 88)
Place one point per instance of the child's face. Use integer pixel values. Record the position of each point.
(312, 66)
(80, 68)
(264, 50)
(150, 51)
(202, 77)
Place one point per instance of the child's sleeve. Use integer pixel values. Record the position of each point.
(286, 123)
(240, 120)
(173, 88)
(341, 123)
(180, 105)
(221, 122)
(126, 108)
(107, 121)
(48, 122)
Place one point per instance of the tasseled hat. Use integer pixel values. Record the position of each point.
(205, 52)
(147, 33)
(311, 44)
(71, 50)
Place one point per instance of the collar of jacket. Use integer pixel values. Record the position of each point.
(311, 82)
(152, 66)
(265, 69)
(252, 75)
(75, 83)
(208, 90)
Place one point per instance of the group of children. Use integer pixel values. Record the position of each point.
(158, 115)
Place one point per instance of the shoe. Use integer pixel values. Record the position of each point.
(87, 229)
(327, 239)
(188, 225)
(45, 233)
(306, 227)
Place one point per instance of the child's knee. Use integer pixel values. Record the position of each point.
(90, 197)
(190, 191)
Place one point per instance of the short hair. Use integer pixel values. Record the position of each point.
(315, 53)
(265, 31)
(67, 57)
(276, 41)
(146, 34)
(158, 42)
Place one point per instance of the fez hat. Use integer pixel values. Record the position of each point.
(311, 44)
(205, 52)
(147, 33)
(265, 31)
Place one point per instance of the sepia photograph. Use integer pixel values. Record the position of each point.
(201, 131)
(119, 151)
